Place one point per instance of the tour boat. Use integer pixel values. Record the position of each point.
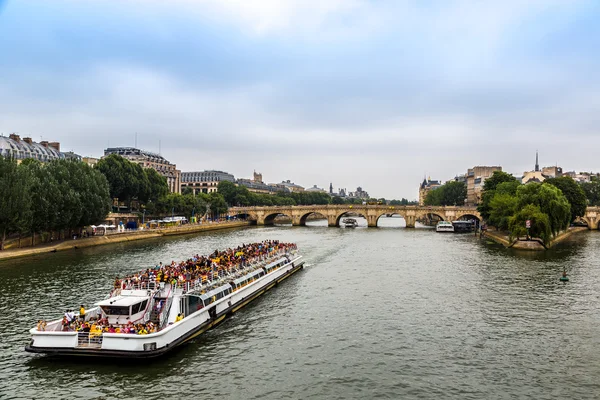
(444, 226)
(178, 311)
(350, 222)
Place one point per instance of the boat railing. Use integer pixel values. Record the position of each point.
(162, 317)
(89, 339)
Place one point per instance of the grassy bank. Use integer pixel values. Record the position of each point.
(117, 238)
(531, 245)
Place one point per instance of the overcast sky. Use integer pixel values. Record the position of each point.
(369, 93)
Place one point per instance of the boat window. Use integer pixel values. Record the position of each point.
(115, 310)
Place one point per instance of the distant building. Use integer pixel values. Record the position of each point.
(155, 161)
(475, 178)
(359, 194)
(258, 187)
(204, 181)
(426, 186)
(538, 175)
(91, 161)
(288, 186)
(316, 189)
(20, 149)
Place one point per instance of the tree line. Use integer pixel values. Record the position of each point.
(146, 192)
(549, 206)
(56, 196)
(452, 193)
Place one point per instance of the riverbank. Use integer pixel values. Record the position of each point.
(502, 238)
(118, 238)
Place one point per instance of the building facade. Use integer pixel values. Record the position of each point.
(538, 175)
(359, 194)
(20, 149)
(316, 189)
(426, 186)
(204, 181)
(155, 161)
(287, 186)
(476, 177)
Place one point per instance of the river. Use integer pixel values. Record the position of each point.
(376, 313)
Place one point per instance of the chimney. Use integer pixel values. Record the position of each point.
(55, 145)
(15, 137)
(44, 143)
(27, 140)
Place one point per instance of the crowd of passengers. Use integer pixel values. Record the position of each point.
(197, 268)
(205, 268)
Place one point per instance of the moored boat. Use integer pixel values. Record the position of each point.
(444, 226)
(154, 311)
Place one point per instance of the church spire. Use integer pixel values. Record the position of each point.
(537, 165)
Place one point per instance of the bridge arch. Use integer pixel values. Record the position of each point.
(243, 214)
(344, 213)
(304, 217)
(391, 214)
(270, 218)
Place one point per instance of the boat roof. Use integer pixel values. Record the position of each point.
(121, 301)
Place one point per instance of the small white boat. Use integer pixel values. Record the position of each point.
(444, 226)
(350, 222)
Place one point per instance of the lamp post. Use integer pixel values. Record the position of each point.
(144, 216)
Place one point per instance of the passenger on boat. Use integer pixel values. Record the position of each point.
(179, 317)
(82, 312)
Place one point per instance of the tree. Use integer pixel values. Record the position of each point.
(218, 205)
(449, 194)
(592, 192)
(128, 181)
(337, 200)
(489, 189)
(157, 184)
(503, 207)
(454, 193)
(229, 191)
(15, 199)
(550, 201)
(574, 194)
(434, 197)
(540, 223)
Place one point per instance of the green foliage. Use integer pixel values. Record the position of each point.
(449, 194)
(337, 200)
(540, 223)
(503, 206)
(15, 200)
(574, 194)
(551, 202)
(128, 181)
(55, 196)
(489, 190)
(403, 202)
(592, 192)
(157, 184)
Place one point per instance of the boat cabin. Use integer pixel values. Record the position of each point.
(122, 309)
(274, 265)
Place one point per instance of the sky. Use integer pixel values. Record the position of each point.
(377, 94)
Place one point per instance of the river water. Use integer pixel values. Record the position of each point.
(376, 313)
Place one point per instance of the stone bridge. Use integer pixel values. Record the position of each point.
(334, 213)
(592, 217)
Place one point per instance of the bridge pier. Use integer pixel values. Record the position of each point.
(410, 221)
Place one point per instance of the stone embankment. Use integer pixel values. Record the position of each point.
(118, 238)
(533, 244)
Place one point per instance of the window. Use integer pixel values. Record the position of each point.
(115, 310)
